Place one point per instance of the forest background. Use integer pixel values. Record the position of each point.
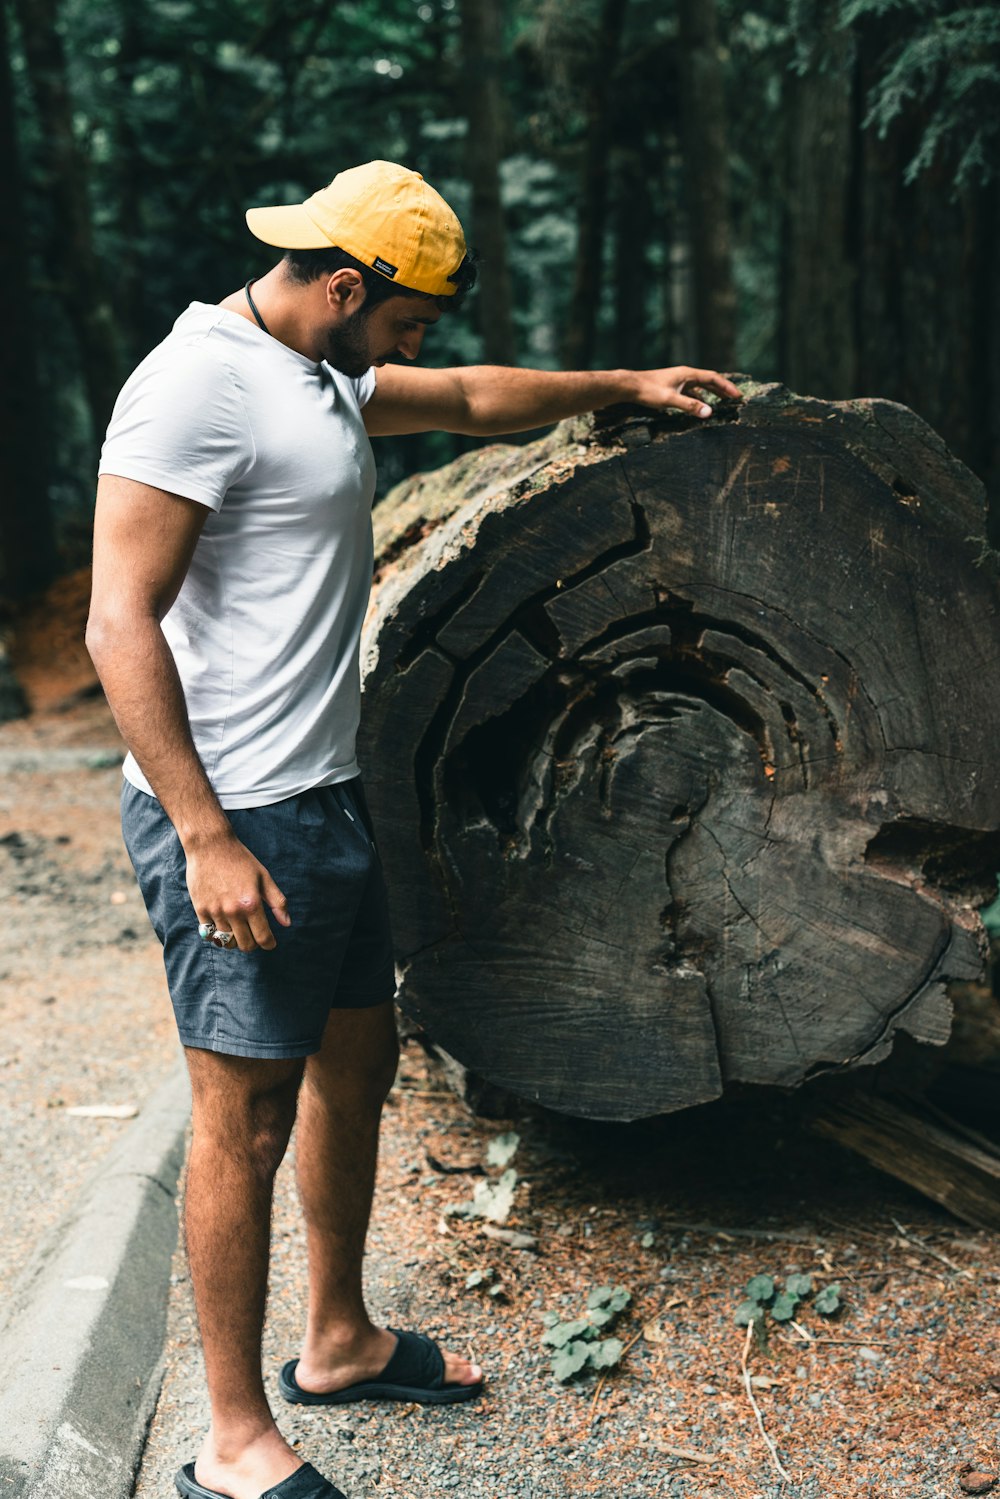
(803, 190)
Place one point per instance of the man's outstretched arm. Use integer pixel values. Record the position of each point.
(489, 400)
(143, 542)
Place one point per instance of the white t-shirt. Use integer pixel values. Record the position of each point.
(266, 627)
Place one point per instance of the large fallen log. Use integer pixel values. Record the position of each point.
(681, 743)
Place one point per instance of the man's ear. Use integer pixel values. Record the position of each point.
(345, 291)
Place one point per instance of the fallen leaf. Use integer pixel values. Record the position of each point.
(502, 1150)
(479, 1277)
(510, 1236)
(491, 1200)
(496, 1201)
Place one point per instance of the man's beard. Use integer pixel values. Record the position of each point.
(347, 348)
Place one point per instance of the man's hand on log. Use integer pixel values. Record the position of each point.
(663, 388)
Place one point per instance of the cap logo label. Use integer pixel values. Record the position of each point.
(384, 266)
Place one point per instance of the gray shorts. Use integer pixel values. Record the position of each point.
(319, 847)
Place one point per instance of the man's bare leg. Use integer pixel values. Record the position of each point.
(243, 1109)
(336, 1145)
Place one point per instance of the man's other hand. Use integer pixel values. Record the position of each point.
(232, 890)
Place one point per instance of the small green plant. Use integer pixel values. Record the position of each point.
(581, 1344)
(828, 1301)
(764, 1298)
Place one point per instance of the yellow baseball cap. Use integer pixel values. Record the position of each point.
(384, 215)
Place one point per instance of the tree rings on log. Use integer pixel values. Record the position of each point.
(680, 744)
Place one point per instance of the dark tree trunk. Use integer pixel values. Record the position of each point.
(128, 171)
(682, 740)
(988, 283)
(928, 304)
(27, 547)
(818, 350)
(578, 344)
(704, 143)
(634, 209)
(481, 57)
(86, 304)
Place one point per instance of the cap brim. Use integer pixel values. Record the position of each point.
(288, 227)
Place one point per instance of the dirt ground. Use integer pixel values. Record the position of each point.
(84, 1013)
(897, 1394)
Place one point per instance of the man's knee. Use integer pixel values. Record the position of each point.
(244, 1107)
(358, 1059)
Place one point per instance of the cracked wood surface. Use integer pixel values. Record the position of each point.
(679, 740)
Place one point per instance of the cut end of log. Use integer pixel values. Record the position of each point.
(678, 735)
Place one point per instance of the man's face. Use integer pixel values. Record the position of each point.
(393, 327)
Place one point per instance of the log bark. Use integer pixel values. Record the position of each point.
(679, 739)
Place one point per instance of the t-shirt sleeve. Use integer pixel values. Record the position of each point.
(180, 425)
(364, 386)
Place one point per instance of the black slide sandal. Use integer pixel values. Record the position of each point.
(414, 1372)
(304, 1483)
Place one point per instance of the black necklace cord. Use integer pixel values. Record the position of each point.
(253, 306)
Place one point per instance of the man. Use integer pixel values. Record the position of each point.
(232, 564)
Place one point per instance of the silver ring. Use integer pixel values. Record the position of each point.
(205, 930)
(222, 939)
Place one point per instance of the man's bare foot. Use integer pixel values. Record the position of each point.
(245, 1470)
(334, 1366)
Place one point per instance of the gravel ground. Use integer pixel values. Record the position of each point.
(83, 1002)
(896, 1395)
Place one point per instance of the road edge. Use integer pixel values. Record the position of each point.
(81, 1349)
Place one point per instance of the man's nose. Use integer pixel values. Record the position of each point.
(409, 344)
